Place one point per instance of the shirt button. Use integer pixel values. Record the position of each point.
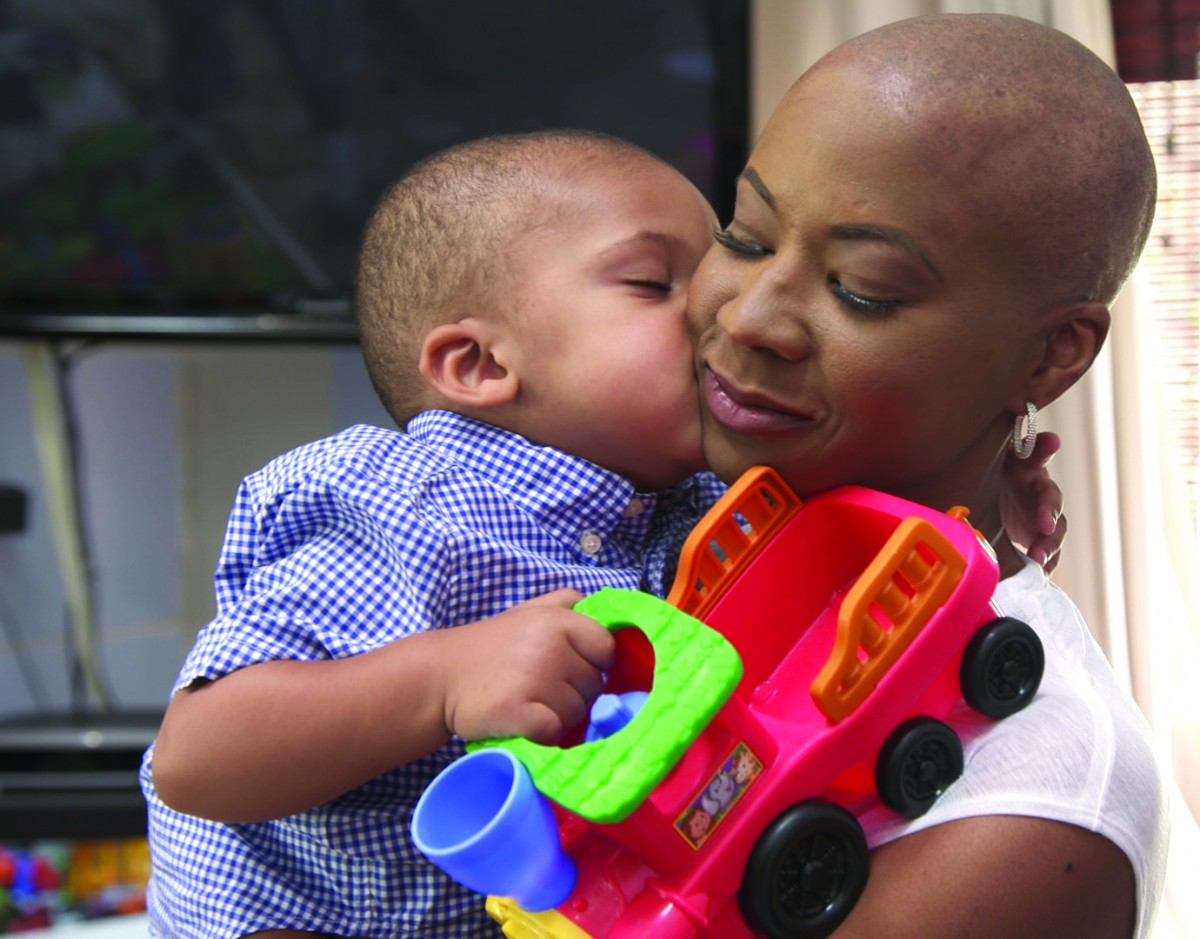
(634, 508)
(590, 543)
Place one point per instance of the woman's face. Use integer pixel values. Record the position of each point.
(855, 322)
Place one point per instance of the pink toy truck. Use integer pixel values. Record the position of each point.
(861, 622)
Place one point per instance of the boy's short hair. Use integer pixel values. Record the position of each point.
(437, 245)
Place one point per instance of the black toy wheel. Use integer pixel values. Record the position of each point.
(918, 761)
(1002, 667)
(806, 872)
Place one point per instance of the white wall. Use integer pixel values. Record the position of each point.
(165, 433)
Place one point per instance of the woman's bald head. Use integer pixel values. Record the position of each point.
(1027, 125)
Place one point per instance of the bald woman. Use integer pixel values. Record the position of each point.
(927, 240)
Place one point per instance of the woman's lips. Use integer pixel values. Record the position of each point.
(745, 413)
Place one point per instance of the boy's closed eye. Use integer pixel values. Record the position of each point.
(650, 285)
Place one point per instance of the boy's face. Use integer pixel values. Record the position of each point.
(859, 322)
(605, 361)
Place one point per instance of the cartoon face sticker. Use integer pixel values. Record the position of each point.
(697, 824)
(719, 794)
(745, 767)
(709, 807)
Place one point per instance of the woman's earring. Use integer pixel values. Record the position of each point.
(1024, 435)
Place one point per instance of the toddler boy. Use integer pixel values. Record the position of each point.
(521, 307)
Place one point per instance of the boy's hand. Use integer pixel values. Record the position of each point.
(532, 671)
(1031, 503)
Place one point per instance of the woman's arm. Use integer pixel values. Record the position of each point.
(996, 877)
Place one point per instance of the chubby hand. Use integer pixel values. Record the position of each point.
(1031, 503)
(533, 671)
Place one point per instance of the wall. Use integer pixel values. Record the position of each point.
(164, 434)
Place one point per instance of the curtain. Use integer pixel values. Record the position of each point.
(1156, 40)
(1108, 467)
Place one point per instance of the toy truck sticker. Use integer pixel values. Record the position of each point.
(802, 671)
(719, 795)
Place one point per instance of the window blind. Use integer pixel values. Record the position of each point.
(1171, 264)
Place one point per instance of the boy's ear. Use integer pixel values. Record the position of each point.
(461, 362)
(1071, 346)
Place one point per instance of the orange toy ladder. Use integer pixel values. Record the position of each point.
(728, 538)
(914, 573)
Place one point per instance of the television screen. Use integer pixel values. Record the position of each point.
(199, 156)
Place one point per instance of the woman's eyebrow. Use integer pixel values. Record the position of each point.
(756, 183)
(895, 236)
(853, 232)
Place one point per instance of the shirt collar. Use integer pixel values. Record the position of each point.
(566, 495)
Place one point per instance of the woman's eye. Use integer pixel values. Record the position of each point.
(727, 239)
(859, 303)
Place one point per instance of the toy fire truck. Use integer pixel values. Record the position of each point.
(803, 670)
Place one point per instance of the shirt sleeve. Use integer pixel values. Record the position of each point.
(316, 571)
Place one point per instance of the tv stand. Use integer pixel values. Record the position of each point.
(237, 327)
(74, 775)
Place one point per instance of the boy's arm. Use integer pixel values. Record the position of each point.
(280, 737)
(996, 877)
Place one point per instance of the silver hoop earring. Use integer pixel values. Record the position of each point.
(1024, 435)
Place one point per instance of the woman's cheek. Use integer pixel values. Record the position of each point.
(711, 286)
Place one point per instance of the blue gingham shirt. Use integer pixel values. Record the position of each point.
(347, 544)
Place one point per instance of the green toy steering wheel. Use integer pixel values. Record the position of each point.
(695, 671)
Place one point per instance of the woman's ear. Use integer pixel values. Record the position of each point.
(462, 363)
(1071, 346)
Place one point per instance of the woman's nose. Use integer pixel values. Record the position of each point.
(767, 316)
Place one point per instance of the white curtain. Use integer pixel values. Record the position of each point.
(1115, 565)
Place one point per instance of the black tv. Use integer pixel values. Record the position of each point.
(207, 165)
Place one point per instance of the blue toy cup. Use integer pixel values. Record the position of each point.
(484, 823)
